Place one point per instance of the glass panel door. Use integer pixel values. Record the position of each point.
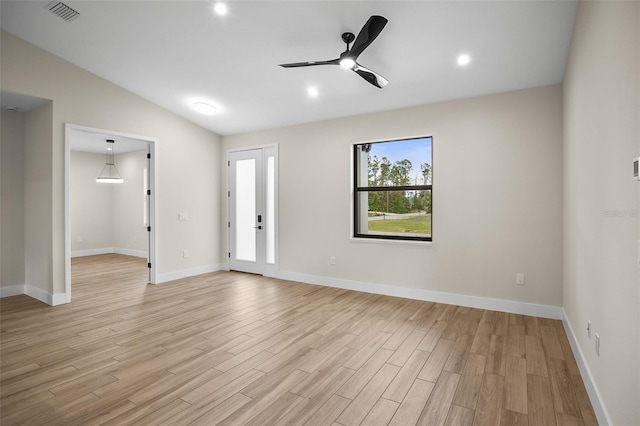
(246, 247)
(253, 209)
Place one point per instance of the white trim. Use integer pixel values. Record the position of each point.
(38, 294)
(92, 252)
(389, 241)
(43, 296)
(153, 184)
(502, 305)
(154, 254)
(129, 252)
(12, 290)
(109, 250)
(34, 292)
(184, 273)
(58, 299)
(590, 384)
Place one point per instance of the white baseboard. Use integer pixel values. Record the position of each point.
(594, 395)
(129, 252)
(45, 297)
(108, 250)
(11, 290)
(184, 273)
(91, 252)
(512, 306)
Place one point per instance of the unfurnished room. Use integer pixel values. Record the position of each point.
(320, 212)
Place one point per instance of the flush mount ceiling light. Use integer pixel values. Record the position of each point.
(109, 173)
(204, 108)
(220, 9)
(463, 60)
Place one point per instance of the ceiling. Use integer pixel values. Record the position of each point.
(175, 53)
(95, 142)
(20, 103)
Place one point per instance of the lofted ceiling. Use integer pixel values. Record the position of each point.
(175, 53)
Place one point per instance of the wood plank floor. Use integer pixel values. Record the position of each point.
(236, 349)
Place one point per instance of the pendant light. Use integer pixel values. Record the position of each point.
(109, 173)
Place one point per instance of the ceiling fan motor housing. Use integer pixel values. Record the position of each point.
(348, 37)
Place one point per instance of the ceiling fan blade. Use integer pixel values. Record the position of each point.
(367, 35)
(310, 63)
(373, 78)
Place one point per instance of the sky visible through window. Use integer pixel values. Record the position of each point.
(418, 151)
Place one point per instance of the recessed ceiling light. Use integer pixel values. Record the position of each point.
(312, 91)
(221, 8)
(204, 108)
(464, 60)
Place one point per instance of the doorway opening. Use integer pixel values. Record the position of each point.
(116, 220)
(252, 210)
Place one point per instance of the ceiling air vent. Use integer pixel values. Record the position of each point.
(63, 11)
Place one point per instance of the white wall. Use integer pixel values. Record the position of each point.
(601, 137)
(38, 256)
(497, 197)
(89, 203)
(185, 154)
(127, 208)
(12, 199)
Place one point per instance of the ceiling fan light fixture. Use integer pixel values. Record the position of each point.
(347, 63)
(347, 59)
(204, 108)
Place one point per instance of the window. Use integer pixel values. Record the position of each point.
(393, 189)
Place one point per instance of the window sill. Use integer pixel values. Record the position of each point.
(396, 242)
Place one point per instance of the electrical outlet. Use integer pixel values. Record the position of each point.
(185, 253)
(183, 217)
(332, 260)
(589, 329)
(597, 344)
(520, 279)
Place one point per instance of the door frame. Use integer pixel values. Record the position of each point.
(270, 270)
(69, 131)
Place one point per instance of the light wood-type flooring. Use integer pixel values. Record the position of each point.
(233, 349)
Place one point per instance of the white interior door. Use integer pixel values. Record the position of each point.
(252, 210)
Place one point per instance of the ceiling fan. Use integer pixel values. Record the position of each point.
(347, 59)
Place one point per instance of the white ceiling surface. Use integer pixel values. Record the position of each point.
(22, 103)
(97, 143)
(175, 53)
